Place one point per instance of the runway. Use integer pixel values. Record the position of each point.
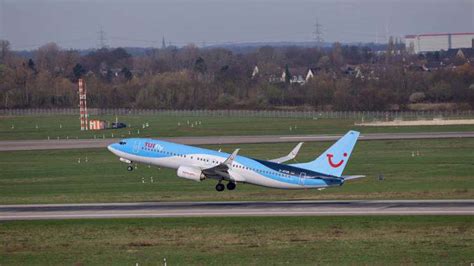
(19, 145)
(242, 208)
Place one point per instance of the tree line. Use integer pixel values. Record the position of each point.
(345, 78)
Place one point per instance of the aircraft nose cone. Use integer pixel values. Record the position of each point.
(111, 148)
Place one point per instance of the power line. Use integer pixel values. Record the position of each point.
(127, 39)
(318, 33)
(102, 38)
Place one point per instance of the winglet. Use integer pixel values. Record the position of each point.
(290, 156)
(231, 158)
(295, 150)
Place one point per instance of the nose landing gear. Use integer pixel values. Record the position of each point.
(130, 168)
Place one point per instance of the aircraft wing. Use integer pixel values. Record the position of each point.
(290, 155)
(224, 170)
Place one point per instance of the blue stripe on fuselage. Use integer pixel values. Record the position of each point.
(284, 168)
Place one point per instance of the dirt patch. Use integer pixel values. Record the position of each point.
(435, 122)
(140, 244)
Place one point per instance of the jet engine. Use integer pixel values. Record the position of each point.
(190, 173)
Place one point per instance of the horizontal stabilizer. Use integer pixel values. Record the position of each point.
(350, 177)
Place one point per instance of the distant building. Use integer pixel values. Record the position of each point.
(255, 72)
(422, 43)
(464, 53)
(163, 43)
(298, 75)
(311, 73)
(97, 124)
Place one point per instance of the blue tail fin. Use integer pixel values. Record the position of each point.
(333, 160)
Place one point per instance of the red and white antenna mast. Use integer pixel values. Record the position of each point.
(83, 105)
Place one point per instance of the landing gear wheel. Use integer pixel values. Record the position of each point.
(130, 168)
(231, 186)
(220, 187)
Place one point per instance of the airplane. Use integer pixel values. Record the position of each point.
(197, 164)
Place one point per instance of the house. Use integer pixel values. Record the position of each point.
(298, 79)
(363, 71)
(116, 71)
(348, 69)
(311, 73)
(463, 53)
(352, 70)
(278, 77)
(275, 79)
(255, 72)
(298, 76)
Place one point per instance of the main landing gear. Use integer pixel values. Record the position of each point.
(220, 187)
(230, 186)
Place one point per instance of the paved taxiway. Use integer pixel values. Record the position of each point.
(18, 145)
(270, 208)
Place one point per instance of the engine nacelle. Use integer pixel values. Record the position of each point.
(190, 173)
(125, 160)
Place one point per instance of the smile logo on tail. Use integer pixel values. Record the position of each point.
(331, 163)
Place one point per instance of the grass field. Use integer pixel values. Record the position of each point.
(64, 126)
(443, 170)
(369, 240)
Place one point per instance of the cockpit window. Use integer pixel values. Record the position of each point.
(122, 142)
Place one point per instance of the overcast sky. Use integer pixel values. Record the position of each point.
(28, 24)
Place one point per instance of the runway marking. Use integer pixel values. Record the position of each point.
(469, 201)
(220, 209)
(219, 214)
(18, 145)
